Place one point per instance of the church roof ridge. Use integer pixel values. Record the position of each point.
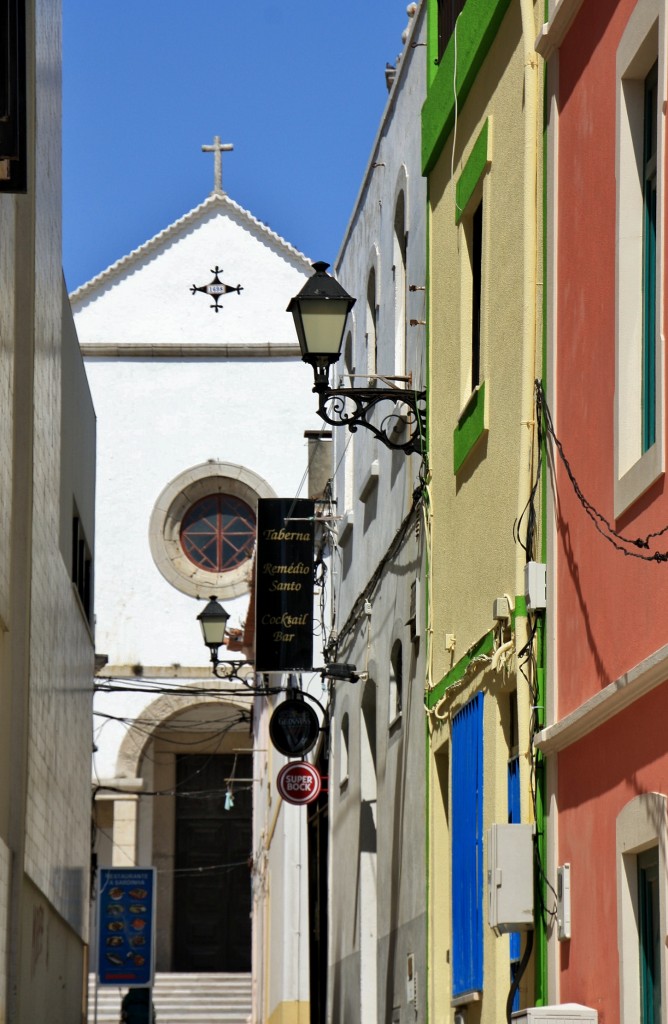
(215, 198)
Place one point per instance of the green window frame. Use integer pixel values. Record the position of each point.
(649, 936)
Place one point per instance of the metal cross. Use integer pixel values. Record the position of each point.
(218, 148)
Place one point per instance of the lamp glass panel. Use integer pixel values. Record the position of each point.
(213, 628)
(323, 322)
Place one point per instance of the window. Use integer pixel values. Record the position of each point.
(467, 844)
(371, 324)
(203, 527)
(476, 295)
(218, 533)
(344, 740)
(470, 215)
(641, 907)
(348, 454)
(399, 272)
(82, 567)
(447, 13)
(639, 402)
(13, 141)
(649, 936)
(649, 262)
(396, 681)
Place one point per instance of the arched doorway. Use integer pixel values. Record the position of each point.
(190, 763)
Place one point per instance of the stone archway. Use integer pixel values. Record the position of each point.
(163, 710)
(170, 730)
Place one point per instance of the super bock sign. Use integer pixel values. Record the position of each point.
(284, 584)
(299, 782)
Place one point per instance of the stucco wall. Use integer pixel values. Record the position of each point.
(474, 550)
(46, 647)
(607, 602)
(481, 479)
(377, 844)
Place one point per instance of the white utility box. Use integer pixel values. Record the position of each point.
(535, 586)
(564, 902)
(561, 1014)
(510, 877)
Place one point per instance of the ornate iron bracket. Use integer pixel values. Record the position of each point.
(244, 671)
(406, 416)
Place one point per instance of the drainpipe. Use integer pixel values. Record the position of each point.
(528, 373)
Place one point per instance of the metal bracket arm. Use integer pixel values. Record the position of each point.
(353, 408)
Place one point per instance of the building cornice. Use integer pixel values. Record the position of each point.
(193, 350)
(553, 32)
(618, 695)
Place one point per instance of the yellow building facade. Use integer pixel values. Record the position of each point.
(482, 154)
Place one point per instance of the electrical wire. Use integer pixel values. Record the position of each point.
(357, 610)
(601, 523)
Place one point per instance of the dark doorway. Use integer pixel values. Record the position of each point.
(212, 890)
(317, 820)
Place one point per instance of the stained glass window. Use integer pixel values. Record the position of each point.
(218, 533)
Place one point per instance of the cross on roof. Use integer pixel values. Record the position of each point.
(218, 148)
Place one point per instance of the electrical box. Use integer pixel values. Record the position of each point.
(564, 902)
(501, 609)
(565, 1013)
(535, 586)
(411, 981)
(510, 877)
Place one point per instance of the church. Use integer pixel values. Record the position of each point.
(202, 408)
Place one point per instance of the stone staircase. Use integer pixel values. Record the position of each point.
(182, 999)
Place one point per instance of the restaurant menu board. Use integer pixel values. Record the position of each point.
(126, 926)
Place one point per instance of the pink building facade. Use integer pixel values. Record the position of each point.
(606, 740)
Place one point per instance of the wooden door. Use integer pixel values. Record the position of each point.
(213, 847)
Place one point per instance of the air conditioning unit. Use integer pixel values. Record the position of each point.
(564, 1013)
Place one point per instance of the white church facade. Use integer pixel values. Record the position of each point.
(202, 405)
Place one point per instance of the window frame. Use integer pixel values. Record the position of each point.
(649, 939)
(82, 567)
(172, 505)
(639, 459)
(640, 825)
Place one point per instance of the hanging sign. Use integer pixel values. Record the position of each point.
(299, 782)
(284, 584)
(126, 926)
(294, 727)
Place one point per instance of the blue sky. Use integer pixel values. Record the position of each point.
(297, 86)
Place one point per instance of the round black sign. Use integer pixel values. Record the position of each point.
(294, 727)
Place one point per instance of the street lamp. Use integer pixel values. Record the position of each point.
(213, 621)
(320, 311)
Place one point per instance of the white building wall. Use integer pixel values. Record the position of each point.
(175, 386)
(377, 837)
(46, 647)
